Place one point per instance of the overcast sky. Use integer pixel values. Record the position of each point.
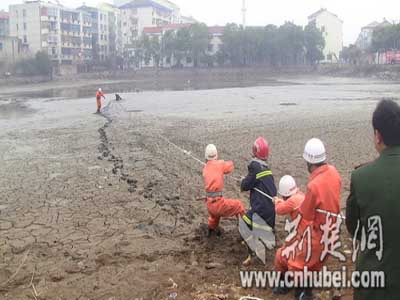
(354, 13)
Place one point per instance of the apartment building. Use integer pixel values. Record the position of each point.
(4, 23)
(114, 28)
(138, 14)
(331, 27)
(100, 31)
(64, 33)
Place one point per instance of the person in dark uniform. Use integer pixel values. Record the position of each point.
(118, 97)
(373, 206)
(260, 177)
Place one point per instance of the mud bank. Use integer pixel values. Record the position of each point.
(103, 208)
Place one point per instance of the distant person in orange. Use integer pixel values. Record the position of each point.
(217, 205)
(99, 95)
(289, 204)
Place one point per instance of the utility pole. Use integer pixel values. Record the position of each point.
(244, 10)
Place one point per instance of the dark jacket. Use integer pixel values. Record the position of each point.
(375, 192)
(260, 177)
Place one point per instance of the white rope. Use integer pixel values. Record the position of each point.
(188, 153)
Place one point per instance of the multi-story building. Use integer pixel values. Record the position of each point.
(175, 15)
(100, 31)
(364, 39)
(331, 27)
(4, 24)
(10, 50)
(65, 34)
(138, 14)
(114, 28)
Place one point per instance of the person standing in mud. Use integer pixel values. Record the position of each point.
(217, 205)
(323, 194)
(260, 176)
(99, 95)
(373, 207)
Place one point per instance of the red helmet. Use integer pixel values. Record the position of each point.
(261, 148)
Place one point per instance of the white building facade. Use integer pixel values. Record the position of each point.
(139, 14)
(364, 39)
(331, 27)
(65, 34)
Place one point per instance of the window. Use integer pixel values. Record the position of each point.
(25, 39)
(17, 27)
(210, 47)
(188, 60)
(24, 26)
(24, 12)
(1, 46)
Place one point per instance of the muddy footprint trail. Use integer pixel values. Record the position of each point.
(166, 186)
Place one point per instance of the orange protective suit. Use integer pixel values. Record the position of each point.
(289, 207)
(323, 192)
(218, 206)
(98, 99)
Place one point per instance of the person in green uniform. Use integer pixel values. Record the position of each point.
(373, 209)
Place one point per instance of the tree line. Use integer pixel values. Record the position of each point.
(384, 38)
(288, 44)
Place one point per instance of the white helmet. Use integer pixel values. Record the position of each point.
(314, 151)
(287, 186)
(99, 89)
(211, 152)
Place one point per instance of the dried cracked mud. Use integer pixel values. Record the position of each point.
(102, 207)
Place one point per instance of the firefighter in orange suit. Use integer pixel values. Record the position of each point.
(99, 95)
(323, 194)
(289, 204)
(217, 205)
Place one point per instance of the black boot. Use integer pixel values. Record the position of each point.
(280, 290)
(304, 294)
(217, 232)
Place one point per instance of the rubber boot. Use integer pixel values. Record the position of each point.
(304, 294)
(280, 290)
(217, 232)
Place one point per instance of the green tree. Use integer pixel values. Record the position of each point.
(151, 49)
(351, 54)
(182, 47)
(314, 43)
(199, 40)
(290, 41)
(43, 63)
(168, 43)
(386, 38)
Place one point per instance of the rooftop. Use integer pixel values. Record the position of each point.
(4, 15)
(158, 30)
(145, 3)
(321, 11)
